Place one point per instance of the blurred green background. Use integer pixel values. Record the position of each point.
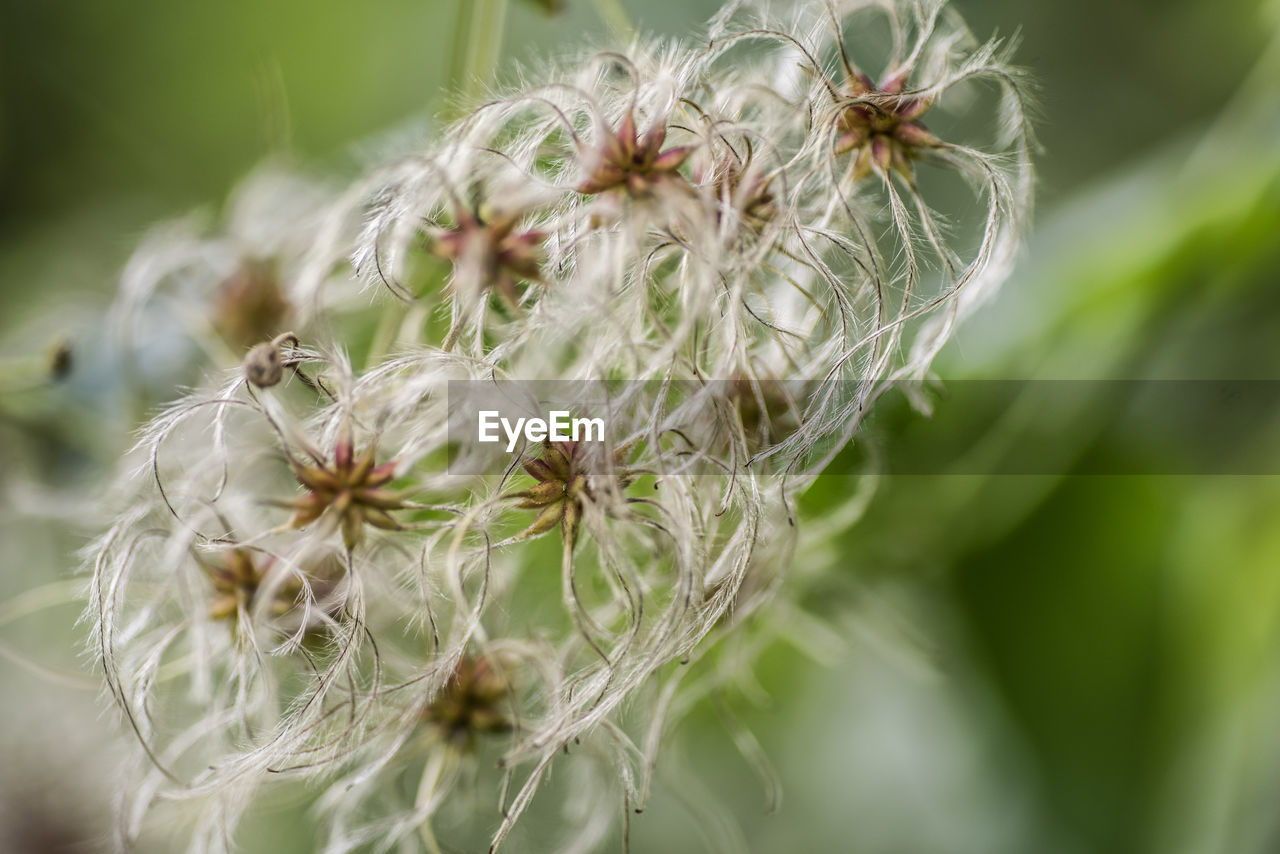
(1024, 664)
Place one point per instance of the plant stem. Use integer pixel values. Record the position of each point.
(616, 17)
(477, 45)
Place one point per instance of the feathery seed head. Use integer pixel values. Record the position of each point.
(351, 487)
(740, 262)
(501, 252)
(564, 475)
(881, 125)
(236, 578)
(636, 163)
(474, 701)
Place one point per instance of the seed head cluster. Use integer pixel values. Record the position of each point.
(296, 586)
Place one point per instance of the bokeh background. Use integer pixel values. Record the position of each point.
(1051, 663)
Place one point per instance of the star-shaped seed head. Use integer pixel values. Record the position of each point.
(636, 164)
(499, 252)
(881, 125)
(350, 487)
(474, 701)
(563, 486)
(237, 576)
(744, 187)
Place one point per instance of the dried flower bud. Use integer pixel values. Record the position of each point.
(264, 364)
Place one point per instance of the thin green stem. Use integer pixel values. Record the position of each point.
(461, 40)
(477, 45)
(616, 17)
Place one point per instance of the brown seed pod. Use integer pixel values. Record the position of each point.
(264, 363)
